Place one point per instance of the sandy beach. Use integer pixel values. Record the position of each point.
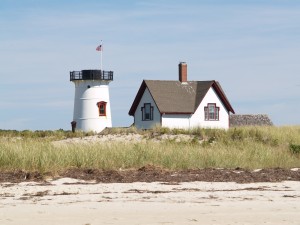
(73, 201)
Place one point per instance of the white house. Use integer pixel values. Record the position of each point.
(181, 104)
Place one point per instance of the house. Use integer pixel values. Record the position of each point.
(181, 104)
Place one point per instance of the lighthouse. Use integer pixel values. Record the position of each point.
(91, 102)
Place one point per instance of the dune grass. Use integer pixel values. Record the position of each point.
(245, 147)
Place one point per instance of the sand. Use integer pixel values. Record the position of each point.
(72, 201)
(125, 138)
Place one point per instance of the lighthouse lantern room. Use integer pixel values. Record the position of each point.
(91, 103)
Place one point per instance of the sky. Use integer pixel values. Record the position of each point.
(251, 47)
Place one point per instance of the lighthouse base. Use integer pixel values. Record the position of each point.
(92, 124)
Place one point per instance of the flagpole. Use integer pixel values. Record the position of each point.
(101, 56)
(100, 48)
(101, 60)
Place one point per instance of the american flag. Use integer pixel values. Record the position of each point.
(99, 48)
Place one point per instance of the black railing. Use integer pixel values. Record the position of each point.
(91, 75)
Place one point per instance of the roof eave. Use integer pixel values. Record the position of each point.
(223, 97)
(177, 113)
(137, 99)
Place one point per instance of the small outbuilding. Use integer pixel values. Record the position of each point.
(181, 104)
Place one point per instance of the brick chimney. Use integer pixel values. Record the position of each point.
(182, 72)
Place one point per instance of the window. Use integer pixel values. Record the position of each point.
(211, 112)
(147, 112)
(102, 108)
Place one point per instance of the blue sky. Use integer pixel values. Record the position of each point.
(251, 47)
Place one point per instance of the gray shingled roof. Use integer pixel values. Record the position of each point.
(177, 97)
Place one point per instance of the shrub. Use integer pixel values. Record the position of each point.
(295, 149)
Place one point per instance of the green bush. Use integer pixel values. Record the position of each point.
(295, 149)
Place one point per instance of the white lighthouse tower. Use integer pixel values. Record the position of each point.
(91, 102)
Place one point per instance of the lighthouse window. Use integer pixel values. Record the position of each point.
(147, 112)
(102, 108)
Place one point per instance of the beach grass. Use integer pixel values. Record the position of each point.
(243, 147)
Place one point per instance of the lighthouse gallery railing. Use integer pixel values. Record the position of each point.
(91, 75)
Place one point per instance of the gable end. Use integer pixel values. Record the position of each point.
(137, 99)
(221, 94)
